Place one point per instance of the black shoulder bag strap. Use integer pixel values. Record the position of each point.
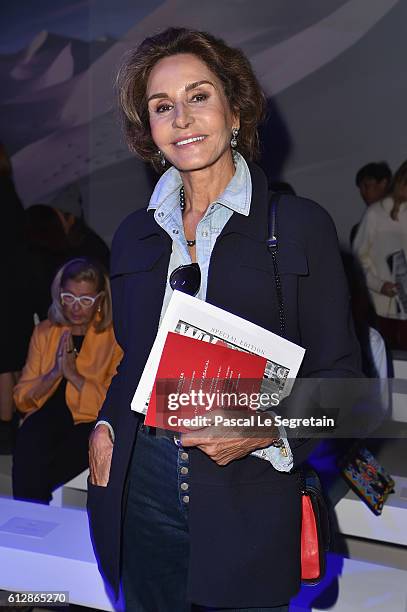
(310, 484)
(272, 245)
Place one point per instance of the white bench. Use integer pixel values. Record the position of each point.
(355, 518)
(45, 548)
(399, 399)
(72, 493)
(362, 586)
(80, 482)
(48, 549)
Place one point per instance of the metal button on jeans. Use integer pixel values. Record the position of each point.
(183, 477)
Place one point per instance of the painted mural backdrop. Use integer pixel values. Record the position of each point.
(334, 72)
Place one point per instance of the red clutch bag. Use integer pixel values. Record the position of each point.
(315, 533)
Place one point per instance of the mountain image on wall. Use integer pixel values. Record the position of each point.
(57, 94)
(35, 82)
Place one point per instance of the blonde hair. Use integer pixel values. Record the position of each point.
(82, 269)
(399, 180)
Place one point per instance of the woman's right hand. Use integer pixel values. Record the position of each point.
(100, 456)
(389, 289)
(46, 382)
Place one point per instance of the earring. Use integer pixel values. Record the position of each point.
(162, 158)
(62, 302)
(233, 142)
(99, 309)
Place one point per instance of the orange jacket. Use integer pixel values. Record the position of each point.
(97, 362)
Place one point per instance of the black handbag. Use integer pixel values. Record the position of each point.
(315, 527)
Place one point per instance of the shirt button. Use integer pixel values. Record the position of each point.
(184, 470)
(175, 231)
(184, 486)
(185, 499)
(160, 214)
(184, 456)
(204, 234)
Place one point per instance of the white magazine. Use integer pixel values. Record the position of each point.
(399, 271)
(197, 319)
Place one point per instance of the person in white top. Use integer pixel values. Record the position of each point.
(382, 232)
(373, 181)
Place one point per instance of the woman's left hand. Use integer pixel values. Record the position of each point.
(223, 450)
(69, 369)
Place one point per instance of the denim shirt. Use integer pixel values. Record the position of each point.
(236, 198)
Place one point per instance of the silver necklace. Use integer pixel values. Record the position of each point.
(190, 243)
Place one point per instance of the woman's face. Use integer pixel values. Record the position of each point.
(190, 118)
(75, 312)
(372, 191)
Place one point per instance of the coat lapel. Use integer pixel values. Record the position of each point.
(241, 277)
(140, 269)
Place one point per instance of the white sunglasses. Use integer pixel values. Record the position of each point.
(86, 301)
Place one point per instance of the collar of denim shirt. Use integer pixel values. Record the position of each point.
(237, 195)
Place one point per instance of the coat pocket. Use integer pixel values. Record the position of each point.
(292, 259)
(140, 256)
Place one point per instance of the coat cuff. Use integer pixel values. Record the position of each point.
(110, 428)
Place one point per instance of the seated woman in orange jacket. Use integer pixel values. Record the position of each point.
(72, 358)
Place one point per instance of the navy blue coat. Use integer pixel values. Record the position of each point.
(245, 517)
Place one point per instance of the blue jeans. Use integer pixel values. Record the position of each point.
(156, 538)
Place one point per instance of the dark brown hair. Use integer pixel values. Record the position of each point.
(230, 65)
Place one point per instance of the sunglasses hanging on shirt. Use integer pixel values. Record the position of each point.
(186, 278)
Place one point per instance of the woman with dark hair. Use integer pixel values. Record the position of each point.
(382, 233)
(15, 307)
(206, 525)
(55, 236)
(72, 358)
